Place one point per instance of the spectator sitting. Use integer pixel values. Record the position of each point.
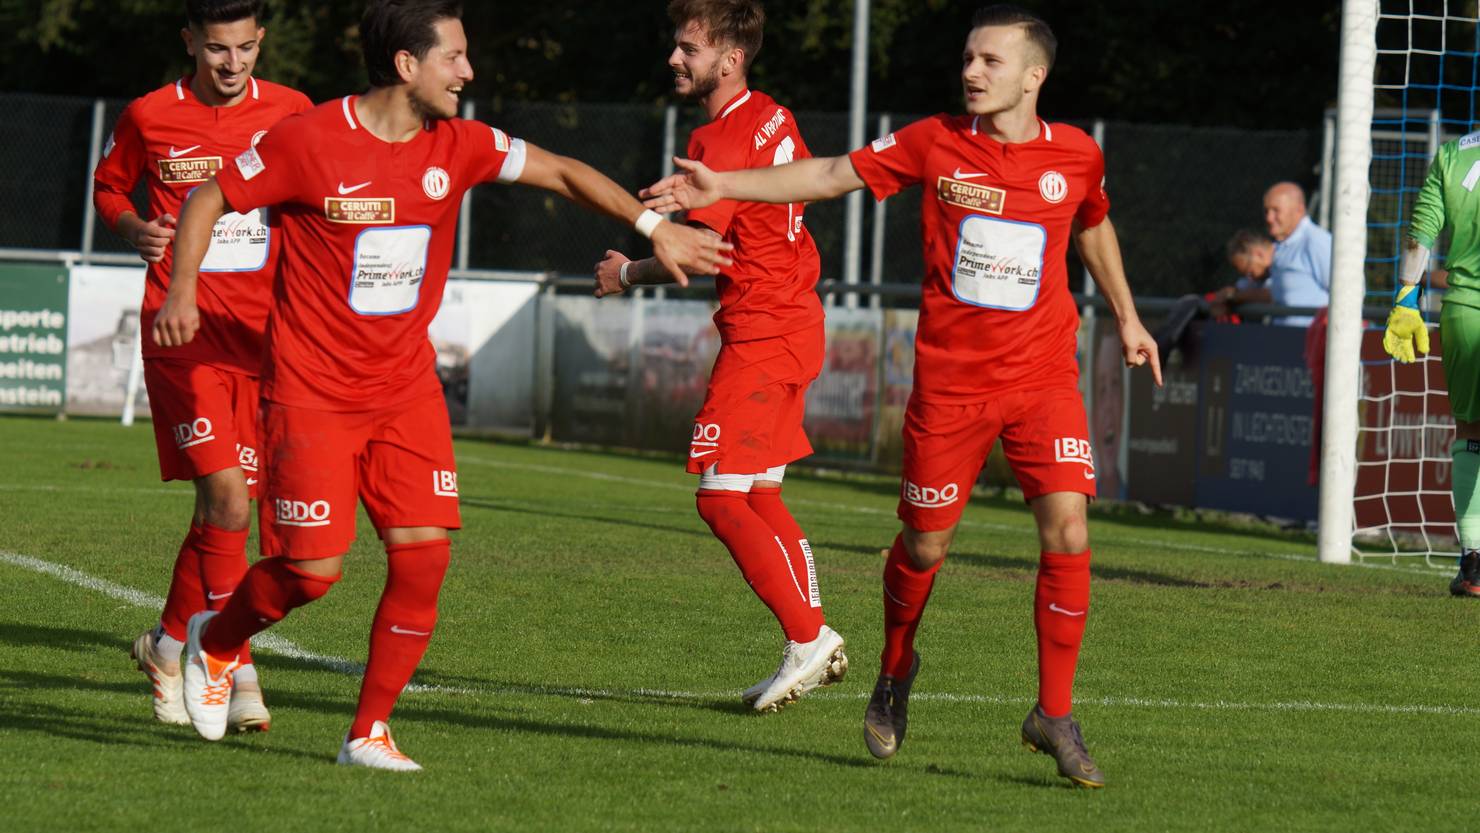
(1251, 253)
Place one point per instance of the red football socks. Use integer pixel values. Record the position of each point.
(762, 557)
(1060, 606)
(269, 590)
(768, 505)
(223, 562)
(402, 628)
(187, 596)
(906, 590)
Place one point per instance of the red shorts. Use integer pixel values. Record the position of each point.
(752, 414)
(205, 419)
(397, 461)
(1044, 435)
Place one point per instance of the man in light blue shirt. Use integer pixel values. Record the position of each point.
(1300, 275)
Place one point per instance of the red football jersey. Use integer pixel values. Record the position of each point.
(179, 142)
(995, 309)
(368, 228)
(770, 289)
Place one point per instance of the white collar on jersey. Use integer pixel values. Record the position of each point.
(349, 114)
(739, 101)
(1047, 131)
(180, 88)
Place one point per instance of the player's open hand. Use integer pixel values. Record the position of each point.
(693, 186)
(609, 274)
(685, 250)
(177, 321)
(1140, 348)
(153, 237)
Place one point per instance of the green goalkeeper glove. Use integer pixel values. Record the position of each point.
(1406, 329)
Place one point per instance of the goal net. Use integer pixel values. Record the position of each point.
(1424, 84)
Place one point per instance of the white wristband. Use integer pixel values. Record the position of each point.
(647, 221)
(622, 276)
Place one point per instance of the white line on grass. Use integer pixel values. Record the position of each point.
(283, 647)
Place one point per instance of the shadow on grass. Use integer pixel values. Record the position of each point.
(1025, 568)
(496, 506)
(28, 634)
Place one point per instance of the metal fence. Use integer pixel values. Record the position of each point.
(1178, 192)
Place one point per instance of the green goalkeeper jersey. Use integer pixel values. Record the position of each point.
(1449, 198)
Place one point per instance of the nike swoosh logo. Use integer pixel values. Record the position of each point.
(353, 188)
(959, 175)
(1089, 475)
(176, 154)
(216, 597)
(401, 630)
(693, 453)
(1055, 608)
(251, 481)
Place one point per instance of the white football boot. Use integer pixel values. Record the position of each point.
(378, 751)
(169, 698)
(804, 666)
(207, 682)
(247, 712)
(749, 695)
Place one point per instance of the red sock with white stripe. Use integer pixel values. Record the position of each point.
(768, 505)
(1060, 608)
(223, 563)
(761, 556)
(906, 590)
(187, 596)
(268, 592)
(402, 627)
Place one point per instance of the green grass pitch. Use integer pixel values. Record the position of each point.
(594, 638)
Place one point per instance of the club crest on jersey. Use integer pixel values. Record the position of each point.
(189, 169)
(435, 183)
(970, 195)
(1053, 187)
(366, 211)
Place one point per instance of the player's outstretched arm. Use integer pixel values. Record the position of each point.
(179, 318)
(682, 251)
(1099, 248)
(806, 180)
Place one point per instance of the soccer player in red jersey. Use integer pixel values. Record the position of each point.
(772, 340)
(368, 187)
(1004, 193)
(204, 397)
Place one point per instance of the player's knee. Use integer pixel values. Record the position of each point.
(926, 552)
(229, 512)
(1064, 533)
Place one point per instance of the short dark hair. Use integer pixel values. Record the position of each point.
(739, 23)
(1036, 30)
(200, 12)
(1245, 240)
(391, 26)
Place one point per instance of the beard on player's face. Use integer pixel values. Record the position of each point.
(429, 110)
(694, 83)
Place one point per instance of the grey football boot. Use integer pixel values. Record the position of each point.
(1061, 738)
(887, 716)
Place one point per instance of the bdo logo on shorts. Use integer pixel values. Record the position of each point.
(929, 497)
(301, 512)
(444, 483)
(246, 456)
(192, 433)
(706, 439)
(1073, 450)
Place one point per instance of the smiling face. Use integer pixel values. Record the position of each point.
(225, 55)
(1000, 70)
(436, 81)
(697, 63)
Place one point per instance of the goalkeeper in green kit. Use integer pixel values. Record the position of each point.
(1448, 199)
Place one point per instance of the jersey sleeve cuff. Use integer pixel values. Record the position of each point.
(864, 167)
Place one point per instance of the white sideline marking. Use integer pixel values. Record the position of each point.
(283, 647)
(138, 598)
(871, 510)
